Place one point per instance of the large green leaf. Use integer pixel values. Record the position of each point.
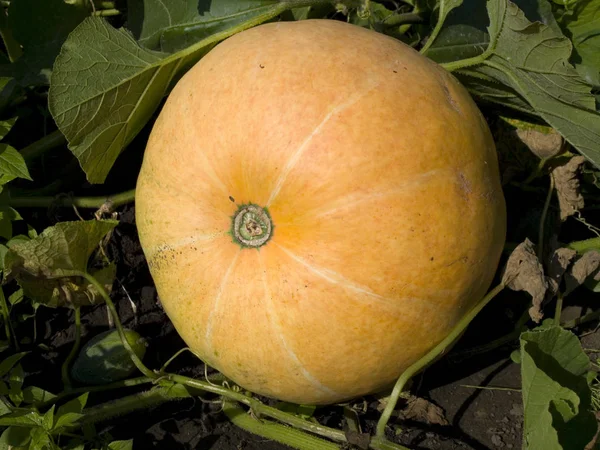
(556, 394)
(105, 86)
(172, 25)
(584, 27)
(531, 59)
(67, 246)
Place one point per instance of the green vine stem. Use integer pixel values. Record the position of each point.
(581, 320)
(260, 409)
(172, 358)
(7, 323)
(66, 379)
(131, 382)
(41, 146)
(116, 200)
(125, 405)
(585, 246)
(274, 431)
(558, 309)
(540, 249)
(430, 357)
(520, 327)
(107, 12)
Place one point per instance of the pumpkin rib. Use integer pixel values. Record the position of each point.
(278, 331)
(167, 246)
(344, 282)
(347, 202)
(217, 301)
(298, 153)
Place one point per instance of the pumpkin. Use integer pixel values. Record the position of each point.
(319, 204)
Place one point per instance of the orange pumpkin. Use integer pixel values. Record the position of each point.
(319, 204)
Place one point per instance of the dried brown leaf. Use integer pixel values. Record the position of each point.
(588, 264)
(568, 186)
(424, 411)
(524, 272)
(557, 266)
(543, 145)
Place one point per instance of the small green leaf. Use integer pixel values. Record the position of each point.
(33, 394)
(9, 363)
(40, 440)
(556, 394)
(70, 412)
(5, 126)
(15, 437)
(21, 417)
(15, 382)
(121, 445)
(175, 389)
(7, 216)
(16, 297)
(59, 249)
(12, 164)
(48, 419)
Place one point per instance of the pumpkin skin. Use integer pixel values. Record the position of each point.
(380, 177)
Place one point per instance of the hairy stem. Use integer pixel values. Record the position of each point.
(107, 12)
(79, 202)
(581, 320)
(261, 409)
(585, 246)
(82, 390)
(39, 147)
(430, 357)
(273, 430)
(540, 249)
(66, 379)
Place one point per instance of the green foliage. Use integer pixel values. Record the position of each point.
(35, 263)
(173, 25)
(583, 26)
(556, 393)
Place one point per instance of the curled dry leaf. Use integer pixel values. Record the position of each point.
(424, 411)
(524, 272)
(587, 265)
(568, 185)
(559, 262)
(543, 145)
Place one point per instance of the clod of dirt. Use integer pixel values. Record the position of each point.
(543, 145)
(568, 186)
(524, 272)
(587, 265)
(421, 410)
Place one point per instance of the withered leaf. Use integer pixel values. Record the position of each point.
(588, 264)
(559, 262)
(543, 145)
(524, 272)
(424, 411)
(568, 186)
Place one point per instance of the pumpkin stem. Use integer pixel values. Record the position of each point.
(251, 226)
